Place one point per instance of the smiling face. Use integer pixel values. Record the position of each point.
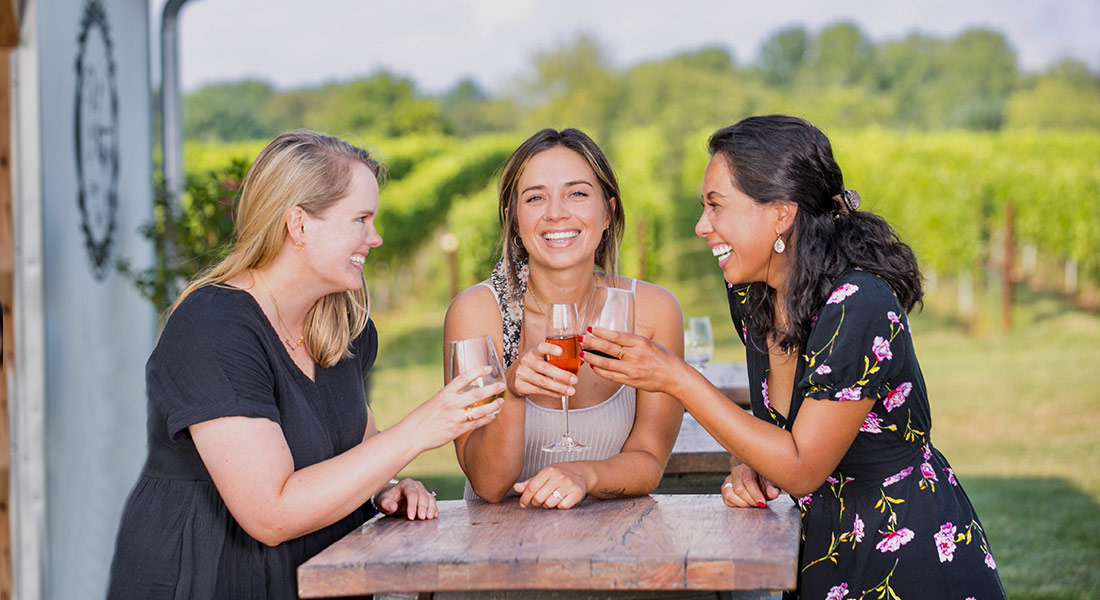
(338, 240)
(560, 209)
(740, 231)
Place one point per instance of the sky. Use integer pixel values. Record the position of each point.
(291, 43)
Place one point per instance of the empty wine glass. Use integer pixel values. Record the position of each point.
(610, 308)
(475, 353)
(698, 342)
(562, 329)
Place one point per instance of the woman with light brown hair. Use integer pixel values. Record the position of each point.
(262, 450)
(561, 217)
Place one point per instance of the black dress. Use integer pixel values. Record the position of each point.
(892, 521)
(218, 356)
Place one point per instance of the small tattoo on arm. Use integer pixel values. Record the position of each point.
(608, 494)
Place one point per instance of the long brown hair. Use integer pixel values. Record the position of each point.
(607, 253)
(311, 170)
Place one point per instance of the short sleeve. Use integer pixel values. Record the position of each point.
(365, 347)
(858, 343)
(738, 295)
(210, 363)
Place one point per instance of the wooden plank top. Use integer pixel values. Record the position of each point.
(697, 452)
(731, 378)
(675, 542)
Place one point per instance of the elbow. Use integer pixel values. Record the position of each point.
(492, 496)
(268, 534)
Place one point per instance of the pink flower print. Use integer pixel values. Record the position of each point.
(945, 542)
(928, 472)
(823, 370)
(804, 502)
(989, 561)
(897, 396)
(850, 394)
(881, 348)
(838, 592)
(729, 286)
(891, 480)
(764, 393)
(950, 476)
(895, 540)
(842, 292)
(927, 453)
(871, 424)
(857, 528)
(893, 316)
(832, 480)
(813, 320)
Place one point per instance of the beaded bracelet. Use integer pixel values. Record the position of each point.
(375, 506)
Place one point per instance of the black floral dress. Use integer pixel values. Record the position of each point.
(892, 521)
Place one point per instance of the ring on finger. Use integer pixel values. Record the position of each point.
(622, 353)
(432, 494)
(469, 415)
(557, 495)
(728, 485)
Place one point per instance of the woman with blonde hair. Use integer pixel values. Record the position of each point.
(262, 450)
(561, 217)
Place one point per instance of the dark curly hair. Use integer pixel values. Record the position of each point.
(777, 157)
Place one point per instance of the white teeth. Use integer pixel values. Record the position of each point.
(358, 260)
(560, 235)
(721, 251)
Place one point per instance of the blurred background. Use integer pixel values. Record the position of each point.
(974, 128)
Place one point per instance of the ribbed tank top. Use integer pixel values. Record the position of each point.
(603, 428)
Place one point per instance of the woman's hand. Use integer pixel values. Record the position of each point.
(560, 485)
(450, 412)
(642, 363)
(533, 375)
(410, 495)
(744, 488)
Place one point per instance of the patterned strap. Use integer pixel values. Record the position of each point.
(511, 307)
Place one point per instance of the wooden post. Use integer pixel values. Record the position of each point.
(7, 350)
(1007, 267)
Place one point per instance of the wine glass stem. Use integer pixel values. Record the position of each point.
(565, 413)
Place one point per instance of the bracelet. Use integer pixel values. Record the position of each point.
(375, 506)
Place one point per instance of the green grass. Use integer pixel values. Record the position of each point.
(1017, 414)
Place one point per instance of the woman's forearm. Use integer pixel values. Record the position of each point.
(625, 475)
(492, 456)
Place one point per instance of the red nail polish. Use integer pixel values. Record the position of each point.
(580, 338)
(581, 354)
(762, 504)
(589, 330)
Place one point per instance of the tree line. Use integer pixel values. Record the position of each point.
(836, 77)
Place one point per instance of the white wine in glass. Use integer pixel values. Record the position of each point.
(698, 342)
(475, 353)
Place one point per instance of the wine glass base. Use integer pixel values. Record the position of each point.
(565, 444)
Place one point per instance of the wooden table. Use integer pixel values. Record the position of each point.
(698, 464)
(731, 378)
(611, 548)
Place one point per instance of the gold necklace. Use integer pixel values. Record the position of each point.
(535, 297)
(301, 339)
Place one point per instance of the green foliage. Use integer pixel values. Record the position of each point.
(228, 111)
(414, 206)
(1067, 97)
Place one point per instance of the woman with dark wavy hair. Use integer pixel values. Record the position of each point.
(819, 291)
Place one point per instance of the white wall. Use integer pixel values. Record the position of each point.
(99, 331)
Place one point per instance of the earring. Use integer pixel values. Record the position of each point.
(779, 246)
(300, 244)
(517, 241)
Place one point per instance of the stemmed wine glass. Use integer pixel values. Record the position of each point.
(562, 331)
(698, 342)
(610, 308)
(475, 353)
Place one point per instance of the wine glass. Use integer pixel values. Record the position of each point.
(610, 308)
(475, 353)
(698, 342)
(562, 329)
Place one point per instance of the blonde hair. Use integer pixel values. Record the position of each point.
(607, 253)
(311, 170)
